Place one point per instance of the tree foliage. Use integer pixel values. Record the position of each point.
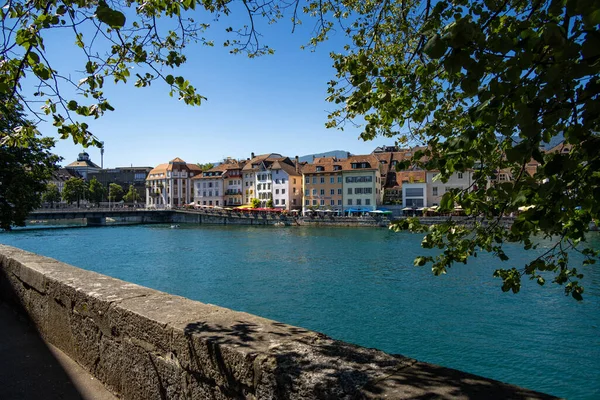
(115, 192)
(255, 202)
(205, 167)
(482, 85)
(96, 191)
(24, 169)
(51, 194)
(74, 190)
(270, 203)
(132, 195)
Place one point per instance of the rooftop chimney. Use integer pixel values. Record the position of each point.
(297, 165)
(252, 154)
(348, 154)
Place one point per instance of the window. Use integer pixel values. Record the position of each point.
(283, 180)
(322, 192)
(277, 201)
(367, 202)
(277, 181)
(216, 193)
(307, 180)
(331, 180)
(339, 191)
(306, 192)
(217, 202)
(209, 184)
(460, 175)
(314, 202)
(314, 180)
(349, 190)
(322, 202)
(358, 202)
(339, 179)
(320, 169)
(210, 202)
(314, 192)
(204, 202)
(322, 179)
(434, 191)
(332, 191)
(293, 201)
(294, 181)
(282, 191)
(349, 202)
(306, 202)
(204, 193)
(283, 202)
(414, 192)
(357, 191)
(332, 202)
(204, 184)
(276, 191)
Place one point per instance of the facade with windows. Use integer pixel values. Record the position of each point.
(255, 166)
(436, 188)
(170, 185)
(414, 195)
(209, 187)
(287, 184)
(322, 185)
(232, 183)
(362, 183)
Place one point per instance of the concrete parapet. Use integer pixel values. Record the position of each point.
(146, 344)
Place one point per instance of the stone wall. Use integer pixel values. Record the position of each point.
(145, 344)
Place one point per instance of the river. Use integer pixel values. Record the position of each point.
(359, 285)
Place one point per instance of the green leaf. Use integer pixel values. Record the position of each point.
(114, 19)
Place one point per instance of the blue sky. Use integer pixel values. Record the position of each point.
(272, 103)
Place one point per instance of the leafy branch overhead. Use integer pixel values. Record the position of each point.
(113, 37)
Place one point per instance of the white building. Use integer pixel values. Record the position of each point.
(436, 188)
(170, 185)
(414, 195)
(287, 184)
(232, 183)
(250, 171)
(209, 187)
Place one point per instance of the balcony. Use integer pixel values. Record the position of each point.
(233, 192)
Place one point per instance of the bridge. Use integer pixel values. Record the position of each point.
(97, 216)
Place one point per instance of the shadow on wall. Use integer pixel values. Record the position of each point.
(309, 365)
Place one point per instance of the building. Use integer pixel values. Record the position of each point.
(256, 178)
(287, 184)
(436, 188)
(232, 183)
(84, 165)
(123, 176)
(170, 185)
(322, 185)
(209, 186)
(362, 183)
(389, 157)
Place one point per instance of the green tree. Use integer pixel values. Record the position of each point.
(482, 85)
(74, 190)
(51, 195)
(255, 203)
(24, 168)
(115, 192)
(205, 167)
(270, 203)
(96, 191)
(132, 195)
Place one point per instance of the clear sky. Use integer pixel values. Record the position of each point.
(267, 104)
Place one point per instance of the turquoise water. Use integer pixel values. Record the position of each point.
(359, 285)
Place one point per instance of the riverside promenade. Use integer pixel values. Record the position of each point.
(34, 369)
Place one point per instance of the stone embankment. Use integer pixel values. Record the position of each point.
(145, 344)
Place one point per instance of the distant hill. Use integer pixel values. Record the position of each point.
(335, 153)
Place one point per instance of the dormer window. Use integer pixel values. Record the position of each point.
(320, 169)
(354, 165)
(337, 168)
